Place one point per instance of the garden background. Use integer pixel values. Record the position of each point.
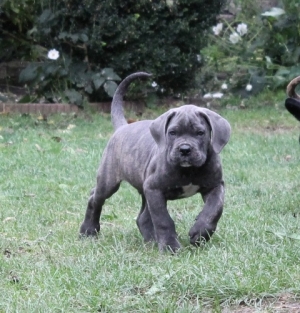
(193, 48)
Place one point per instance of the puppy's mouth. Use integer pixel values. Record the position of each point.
(191, 161)
(185, 164)
(188, 156)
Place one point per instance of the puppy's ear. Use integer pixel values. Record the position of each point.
(293, 106)
(158, 127)
(220, 129)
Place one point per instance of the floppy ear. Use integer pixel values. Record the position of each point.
(159, 126)
(293, 106)
(220, 129)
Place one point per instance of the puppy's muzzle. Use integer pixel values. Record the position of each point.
(185, 149)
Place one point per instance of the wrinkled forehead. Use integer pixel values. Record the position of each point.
(188, 118)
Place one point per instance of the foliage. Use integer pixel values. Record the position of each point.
(66, 80)
(267, 55)
(16, 18)
(161, 37)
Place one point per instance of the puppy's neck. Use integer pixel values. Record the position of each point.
(187, 171)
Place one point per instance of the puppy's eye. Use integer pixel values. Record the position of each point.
(172, 133)
(200, 133)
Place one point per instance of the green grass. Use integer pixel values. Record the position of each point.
(46, 173)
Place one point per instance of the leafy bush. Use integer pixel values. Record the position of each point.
(267, 54)
(16, 18)
(162, 37)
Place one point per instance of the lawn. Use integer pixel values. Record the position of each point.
(251, 264)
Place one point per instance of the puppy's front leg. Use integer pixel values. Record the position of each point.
(206, 221)
(164, 226)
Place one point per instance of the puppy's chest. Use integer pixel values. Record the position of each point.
(185, 191)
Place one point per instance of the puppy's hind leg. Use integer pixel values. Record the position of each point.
(144, 222)
(107, 185)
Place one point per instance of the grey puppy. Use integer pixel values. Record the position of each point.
(174, 156)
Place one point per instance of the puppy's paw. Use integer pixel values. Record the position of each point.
(201, 233)
(171, 245)
(87, 230)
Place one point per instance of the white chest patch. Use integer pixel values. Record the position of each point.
(189, 190)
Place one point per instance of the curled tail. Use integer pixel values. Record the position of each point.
(117, 111)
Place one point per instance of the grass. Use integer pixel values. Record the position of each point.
(46, 172)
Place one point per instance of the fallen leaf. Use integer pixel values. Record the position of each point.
(72, 213)
(78, 150)
(288, 157)
(65, 131)
(29, 195)
(10, 218)
(159, 285)
(63, 186)
(294, 236)
(71, 126)
(281, 235)
(56, 138)
(7, 253)
(38, 148)
(14, 278)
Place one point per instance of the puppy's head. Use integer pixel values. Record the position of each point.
(292, 103)
(186, 134)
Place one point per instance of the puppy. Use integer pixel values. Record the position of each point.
(292, 103)
(172, 157)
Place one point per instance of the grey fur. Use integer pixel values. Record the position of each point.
(171, 157)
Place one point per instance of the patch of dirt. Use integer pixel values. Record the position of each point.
(278, 129)
(284, 303)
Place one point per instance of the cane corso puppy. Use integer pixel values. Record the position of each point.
(292, 103)
(172, 157)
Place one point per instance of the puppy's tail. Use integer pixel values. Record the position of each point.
(117, 111)
(290, 89)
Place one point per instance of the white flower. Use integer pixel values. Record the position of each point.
(170, 3)
(268, 59)
(224, 86)
(249, 87)
(217, 95)
(198, 57)
(242, 29)
(275, 12)
(154, 84)
(53, 54)
(217, 29)
(207, 96)
(234, 38)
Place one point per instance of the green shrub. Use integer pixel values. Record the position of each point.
(161, 37)
(16, 18)
(267, 55)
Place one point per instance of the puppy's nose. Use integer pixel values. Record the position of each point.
(185, 149)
